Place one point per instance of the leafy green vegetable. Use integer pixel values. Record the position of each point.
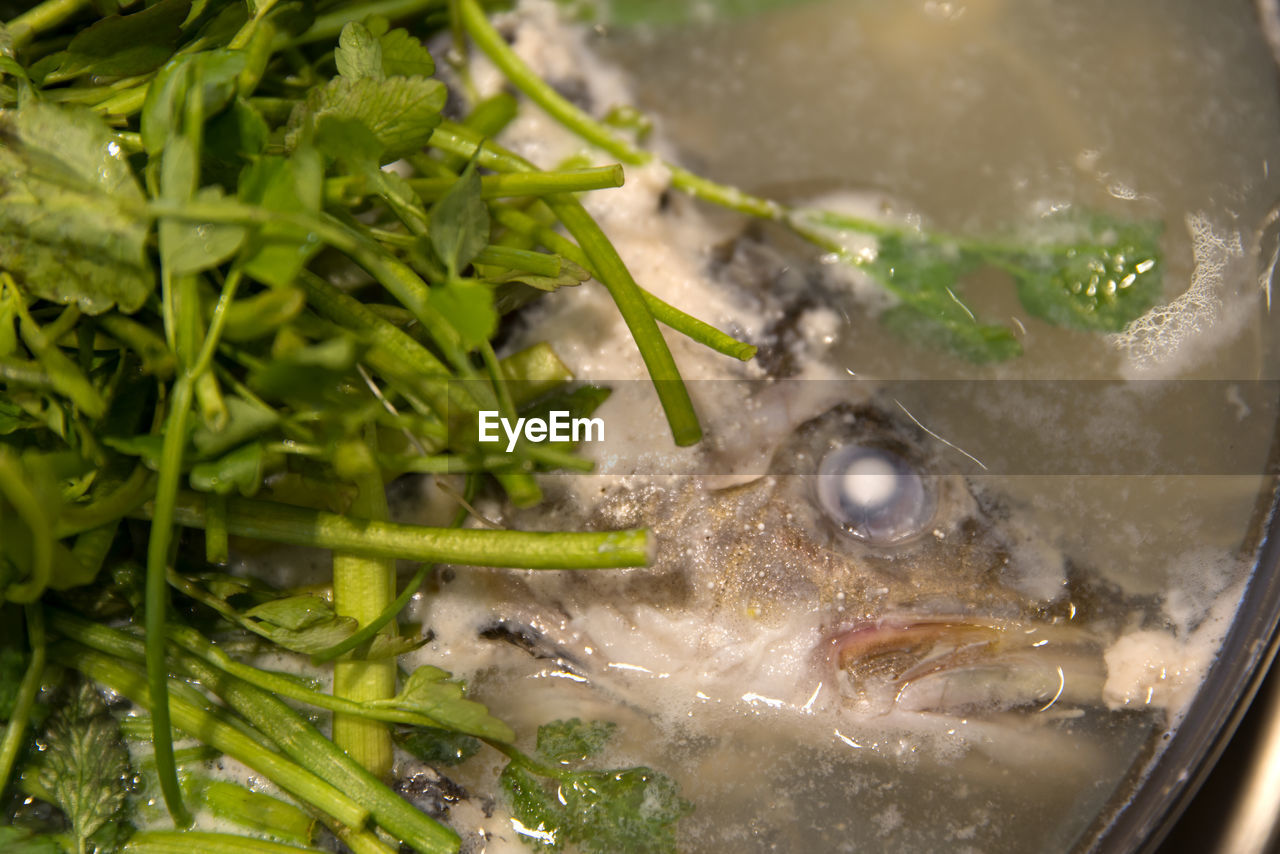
(85, 766)
(400, 112)
(460, 223)
(574, 740)
(1093, 273)
(70, 229)
(123, 45)
(1101, 274)
(610, 812)
(438, 746)
(430, 692)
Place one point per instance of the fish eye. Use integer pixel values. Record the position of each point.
(874, 494)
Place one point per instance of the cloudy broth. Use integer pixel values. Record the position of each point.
(978, 117)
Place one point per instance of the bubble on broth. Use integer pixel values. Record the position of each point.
(1173, 336)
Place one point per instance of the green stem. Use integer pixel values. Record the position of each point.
(24, 372)
(16, 729)
(609, 269)
(350, 187)
(672, 393)
(255, 811)
(366, 632)
(304, 744)
(173, 842)
(664, 312)
(157, 595)
(362, 589)
(39, 19)
(299, 526)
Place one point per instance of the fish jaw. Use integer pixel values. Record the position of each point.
(965, 665)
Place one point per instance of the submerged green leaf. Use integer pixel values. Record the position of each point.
(620, 811)
(923, 274)
(70, 223)
(85, 766)
(1099, 276)
(573, 740)
(438, 746)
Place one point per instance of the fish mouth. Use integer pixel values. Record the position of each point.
(967, 665)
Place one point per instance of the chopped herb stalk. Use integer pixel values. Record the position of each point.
(16, 729)
(280, 523)
(362, 588)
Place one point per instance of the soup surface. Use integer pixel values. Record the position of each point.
(812, 687)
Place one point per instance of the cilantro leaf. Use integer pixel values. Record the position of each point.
(362, 53)
(618, 811)
(187, 247)
(124, 45)
(216, 70)
(85, 767)
(313, 636)
(573, 740)
(438, 746)
(468, 306)
(404, 56)
(923, 274)
(1106, 274)
(429, 691)
(277, 251)
(359, 53)
(401, 112)
(293, 612)
(460, 222)
(69, 224)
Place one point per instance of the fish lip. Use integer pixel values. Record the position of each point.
(942, 645)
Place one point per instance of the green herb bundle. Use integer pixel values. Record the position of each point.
(224, 309)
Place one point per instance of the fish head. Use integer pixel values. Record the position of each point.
(851, 578)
